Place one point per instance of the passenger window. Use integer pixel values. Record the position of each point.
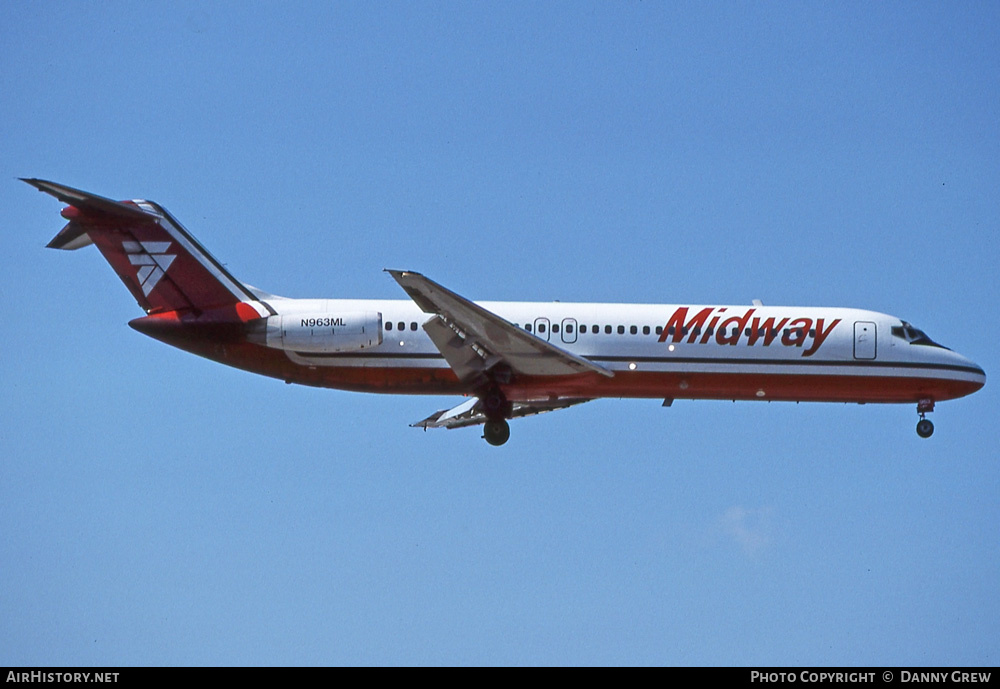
(401, 326)
(595, 329)
(388, 325)
(607, 330)
(541, 327)
(527, 326)
(413, 326)
(621, 329)
(659, 330)
(633, 330)
(569, 328)
(555, 327)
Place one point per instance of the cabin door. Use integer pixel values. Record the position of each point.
(865, 344)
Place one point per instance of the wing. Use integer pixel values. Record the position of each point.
(473, 340)
(468, 413)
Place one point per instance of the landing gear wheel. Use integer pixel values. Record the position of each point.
(496, 432)
(925, 429)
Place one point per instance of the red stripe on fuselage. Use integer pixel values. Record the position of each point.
(380, 378)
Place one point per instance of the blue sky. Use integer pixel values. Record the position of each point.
(160, 509)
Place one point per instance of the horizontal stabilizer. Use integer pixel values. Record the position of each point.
(161, 264)
(91, 204)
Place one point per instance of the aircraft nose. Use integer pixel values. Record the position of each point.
(974, 372)
(982, 374)
(959, 375)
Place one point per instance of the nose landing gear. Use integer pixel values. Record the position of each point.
(925, 429)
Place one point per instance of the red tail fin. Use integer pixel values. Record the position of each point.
(163, 266)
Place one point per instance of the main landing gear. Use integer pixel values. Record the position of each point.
(496, 408)
(498, 432)
(925, 429)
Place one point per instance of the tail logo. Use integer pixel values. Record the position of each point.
(151, 260)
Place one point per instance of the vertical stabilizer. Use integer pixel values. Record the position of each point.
(161, 264)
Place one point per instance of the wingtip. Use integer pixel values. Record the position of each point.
(400, 274)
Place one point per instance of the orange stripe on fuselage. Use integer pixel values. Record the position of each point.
(745, 385)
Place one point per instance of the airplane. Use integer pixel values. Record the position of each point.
(509, 359)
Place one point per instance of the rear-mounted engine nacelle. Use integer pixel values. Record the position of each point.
(325, 332)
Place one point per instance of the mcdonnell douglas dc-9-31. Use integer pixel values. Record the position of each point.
(509, 359)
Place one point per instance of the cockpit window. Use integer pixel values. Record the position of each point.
(913, 335)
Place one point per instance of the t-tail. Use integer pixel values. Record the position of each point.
(163, 266)
(179, 285)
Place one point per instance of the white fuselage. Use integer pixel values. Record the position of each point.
(808, 346)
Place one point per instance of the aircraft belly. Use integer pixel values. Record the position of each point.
(789, 387)
(416, 375)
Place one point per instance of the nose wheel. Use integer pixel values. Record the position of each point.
(925, 429)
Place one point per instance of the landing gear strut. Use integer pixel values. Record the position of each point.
(495, 404)
(496, 408)
(925, 429)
